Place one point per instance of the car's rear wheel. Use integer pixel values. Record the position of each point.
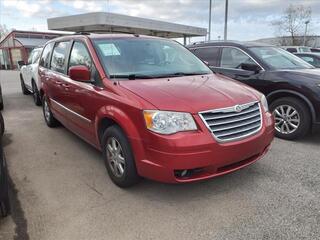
(4, 204)
(25, 91)
(1, 100)
(118, 156)
(50, 120)
(292, 118)
(36, 94)
(4, 207)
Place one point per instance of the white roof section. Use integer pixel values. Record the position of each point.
(118, 23)
(32, 42)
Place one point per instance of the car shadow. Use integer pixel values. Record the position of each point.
(313, 138)
(186, 192)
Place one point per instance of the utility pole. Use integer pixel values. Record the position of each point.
(226, 22)
(305, 32)
(210, 6)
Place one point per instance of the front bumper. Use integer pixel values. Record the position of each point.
(161, 157)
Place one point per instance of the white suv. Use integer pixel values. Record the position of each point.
(29, 76)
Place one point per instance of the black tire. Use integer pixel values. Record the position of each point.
(50, 120)
(5, 207)
(24, 90)
(130, 176)
(304, 115)
(5, 203)
(2, 127)
(36, 94)
(1, 100)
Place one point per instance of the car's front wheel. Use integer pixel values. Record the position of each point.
(4, 203)
(50, 120)
(36, 95)
(292, 118)
(118, 156)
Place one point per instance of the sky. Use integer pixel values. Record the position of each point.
(248, 19)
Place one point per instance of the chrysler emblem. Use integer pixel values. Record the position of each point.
(237, 108)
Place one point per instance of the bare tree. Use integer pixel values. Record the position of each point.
(3, 31)
(292, 23)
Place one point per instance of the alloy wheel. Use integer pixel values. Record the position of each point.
(47, 112)
(115, 157)
(287, 119)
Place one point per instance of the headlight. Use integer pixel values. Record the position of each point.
(264, 103)
(166, 122)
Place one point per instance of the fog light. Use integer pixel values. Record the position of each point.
(183, 173)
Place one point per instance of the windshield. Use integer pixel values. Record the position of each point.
(147, 58)
(304, 49)
(278, 58)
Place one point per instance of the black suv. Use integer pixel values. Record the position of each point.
(291, 85)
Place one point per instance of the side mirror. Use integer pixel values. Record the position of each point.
(250, 67)
(80, 73)
(21, 63)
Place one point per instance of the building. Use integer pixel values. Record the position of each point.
(311, 41)
(17, 45)
(104, 22)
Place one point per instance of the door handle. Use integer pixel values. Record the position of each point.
(58, 83)
(65, 84)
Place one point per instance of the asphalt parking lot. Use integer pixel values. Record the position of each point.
(61, 190)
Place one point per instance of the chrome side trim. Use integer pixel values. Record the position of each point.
(69, 110)
(231, 47)
(227, 109)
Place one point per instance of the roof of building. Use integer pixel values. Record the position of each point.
(29, 38)
(117, 23)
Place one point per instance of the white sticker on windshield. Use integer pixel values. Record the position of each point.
(109, 49)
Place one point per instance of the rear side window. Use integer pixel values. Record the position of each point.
(59, 57)
(35, 56)
(45, 57)
(208, 54)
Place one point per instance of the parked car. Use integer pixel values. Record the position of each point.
(4, 198)
(291, 85)
(311, 58)
(297, 49)
(29, 76)
(316, 50)
(152, 108)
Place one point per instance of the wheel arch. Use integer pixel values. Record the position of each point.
(290, 93)
(112, 115)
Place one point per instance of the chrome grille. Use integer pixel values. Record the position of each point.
(233, 123)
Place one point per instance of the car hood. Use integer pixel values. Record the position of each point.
(192, 93)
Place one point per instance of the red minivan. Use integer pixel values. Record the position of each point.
(153, 108)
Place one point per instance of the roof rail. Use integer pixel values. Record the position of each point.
(82, 33)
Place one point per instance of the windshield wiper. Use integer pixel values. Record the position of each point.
(181, 74)
(131, 76)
